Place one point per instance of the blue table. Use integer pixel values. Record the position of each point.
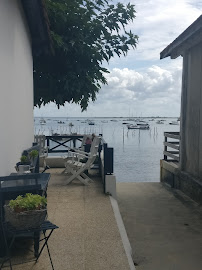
(19, 184)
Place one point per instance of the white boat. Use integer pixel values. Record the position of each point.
(174, 123)
(159, 122)
(139, 126)
(142, 125)
(133, 127)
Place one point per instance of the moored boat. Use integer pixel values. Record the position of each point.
(174, 123)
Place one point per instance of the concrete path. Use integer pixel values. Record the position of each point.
(88, 237)
(164, 226)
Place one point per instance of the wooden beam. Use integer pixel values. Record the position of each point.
(172, 145)
(173, 135)
(171, 156)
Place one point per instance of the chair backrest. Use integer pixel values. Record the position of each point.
(41, 141)
(93, 151)
(95, 142)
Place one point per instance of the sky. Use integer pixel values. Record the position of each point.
(140, 84)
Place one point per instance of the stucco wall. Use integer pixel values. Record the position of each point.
(191, 125)
(16, 85)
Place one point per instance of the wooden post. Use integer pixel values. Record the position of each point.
(74, 142)
(48, 144)
(165, 146)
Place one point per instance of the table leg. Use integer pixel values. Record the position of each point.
(36, 243)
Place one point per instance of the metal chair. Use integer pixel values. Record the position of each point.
(34, 233)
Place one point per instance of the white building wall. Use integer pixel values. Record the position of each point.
(16, 85)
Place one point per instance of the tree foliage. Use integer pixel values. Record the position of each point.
(85, 34)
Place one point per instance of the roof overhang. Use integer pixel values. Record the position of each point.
(38, 23)
(189, 38)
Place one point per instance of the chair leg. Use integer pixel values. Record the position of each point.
(36, 243)
(7, 250)
(86, 176)
(46, 244)
(76, 174)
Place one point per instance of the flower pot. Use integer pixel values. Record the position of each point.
(26, 219)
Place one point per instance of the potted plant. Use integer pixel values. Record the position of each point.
(24, 160)
(24, 164)
(33, 154)
(27, 211)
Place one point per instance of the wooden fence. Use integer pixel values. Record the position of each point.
(171, 141)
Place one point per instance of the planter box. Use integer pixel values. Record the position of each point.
(26, 219)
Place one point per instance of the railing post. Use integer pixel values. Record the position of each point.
(99, 159)
(165, 146)
(74, 142)
(108, 162)
(48, 144)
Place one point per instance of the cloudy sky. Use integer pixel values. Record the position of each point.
(141, 84)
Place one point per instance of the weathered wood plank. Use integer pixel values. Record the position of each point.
(172, 145)
(174, 152)
(174, 135)
(168, 154)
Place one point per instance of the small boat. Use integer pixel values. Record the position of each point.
(139, 125)
(159, 122)
(174, 123)
(133, 127)
(91, 123)
(70, 124)
(42, 121)
(61, 122)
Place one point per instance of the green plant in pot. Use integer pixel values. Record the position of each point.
(27, 211)
(33, 154)
(24, 160)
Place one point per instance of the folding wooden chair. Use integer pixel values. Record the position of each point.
(43, 151)
(77, 168)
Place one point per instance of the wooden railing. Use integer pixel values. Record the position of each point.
(172, 141)
(64, 141)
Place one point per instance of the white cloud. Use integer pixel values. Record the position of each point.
(157, 23)
(154, 92)
(141, 83)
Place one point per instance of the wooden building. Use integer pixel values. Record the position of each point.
(187, 175)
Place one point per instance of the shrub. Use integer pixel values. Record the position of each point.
(28, 202)
(24, 159)
(33, 153)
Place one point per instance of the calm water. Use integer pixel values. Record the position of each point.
(137, 153)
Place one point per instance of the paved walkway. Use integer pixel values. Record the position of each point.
(88, 237)
(164, 226)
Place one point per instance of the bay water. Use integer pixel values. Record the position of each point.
(137, 153)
